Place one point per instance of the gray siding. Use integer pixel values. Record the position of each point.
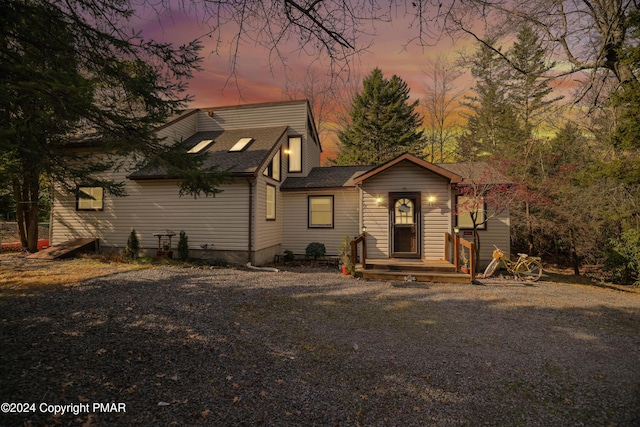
(153, 206)
(435, 220)
(498, 232)
(296, 234)
(180, 130)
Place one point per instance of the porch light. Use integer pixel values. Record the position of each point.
(364, 229)
(431, 200)
(378, 200)
(456, 230)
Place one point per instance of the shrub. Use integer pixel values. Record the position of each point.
(288, 256)
(315, 250)
(623, 258)
(183, 246)
(132, 248)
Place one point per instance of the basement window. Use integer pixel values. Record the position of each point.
(201, 146)
(242, 144)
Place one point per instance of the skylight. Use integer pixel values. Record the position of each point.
(241, 144)
(200, 146)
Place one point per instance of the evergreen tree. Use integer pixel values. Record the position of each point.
(492, 125)
(384, 124)
(73, 75)
(626, 136)
(528, 87)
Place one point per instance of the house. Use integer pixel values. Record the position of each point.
(280, 198)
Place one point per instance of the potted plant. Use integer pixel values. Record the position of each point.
(465, 261)
(345, 255)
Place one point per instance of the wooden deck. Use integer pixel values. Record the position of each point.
(408, 269)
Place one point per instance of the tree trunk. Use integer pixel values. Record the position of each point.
(529, 227)
(26, 193)
(20, 205)
(574, 254)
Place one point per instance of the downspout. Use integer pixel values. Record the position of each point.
(250, 227)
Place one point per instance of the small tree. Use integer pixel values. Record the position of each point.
(133, 245)
(345, 251)
(484, 194)
(183, 246)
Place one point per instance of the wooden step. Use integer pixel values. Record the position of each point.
(409, 275)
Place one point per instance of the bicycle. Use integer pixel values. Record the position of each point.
(528, 268)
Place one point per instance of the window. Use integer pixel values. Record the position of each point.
(403, 211)
(90, 199)
(295, 154)
(320, 211)
(241, 145)
(273, 170)
(271, 202)
(465, 206)
(200, 146)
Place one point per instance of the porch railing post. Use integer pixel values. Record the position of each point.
(456, 252)
(447, 247)
(354, 252)
(364, 250)
(472, 260)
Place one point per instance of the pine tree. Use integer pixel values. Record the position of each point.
(384, 124)
(492, 125)
(529, 87)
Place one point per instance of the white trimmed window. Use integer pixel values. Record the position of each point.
(465, 206)
(295, 154)
(271, 202)
(320, 211)
(90, 199)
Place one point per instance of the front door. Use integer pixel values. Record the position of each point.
(405, 224)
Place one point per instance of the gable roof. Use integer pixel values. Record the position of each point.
(326, 177)
(452, 176)
(239, 163)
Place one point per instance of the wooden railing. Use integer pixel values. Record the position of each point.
(354, 249)
(457, 243)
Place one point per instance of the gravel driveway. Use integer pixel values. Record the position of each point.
(228, 347)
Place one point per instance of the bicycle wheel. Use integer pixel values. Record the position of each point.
(529, 270)
(491, 268)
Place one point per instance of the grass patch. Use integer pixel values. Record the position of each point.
(20, 275)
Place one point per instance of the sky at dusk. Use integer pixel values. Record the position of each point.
(257, 81)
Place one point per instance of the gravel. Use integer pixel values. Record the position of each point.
(181, 346)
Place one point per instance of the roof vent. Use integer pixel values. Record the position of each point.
(242, 144)
(201, 146)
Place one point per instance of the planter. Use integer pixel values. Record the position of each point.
(345, 270)
(464, 270)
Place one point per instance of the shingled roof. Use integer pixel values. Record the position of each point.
(477, 172)
(245, 162)
(326, 177)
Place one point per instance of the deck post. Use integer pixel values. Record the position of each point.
(456, 252)
(472, 261)
(354, 249)
(447, 246)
